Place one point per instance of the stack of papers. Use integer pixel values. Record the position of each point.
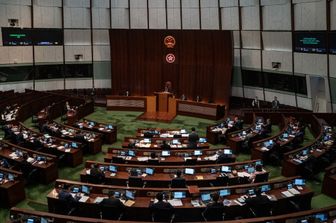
(287, 194)
(196, 203)
(294, 191)
(175, 202)
(264, 149)
(142, 158)
(84, 199)
(243, 174)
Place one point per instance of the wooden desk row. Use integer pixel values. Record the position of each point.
(203, 176)
(50, 145)
(329, 181)
(91, 139)
(108, 131)
(329, 212)
(11, 192)
(186, 212)
(47, 170)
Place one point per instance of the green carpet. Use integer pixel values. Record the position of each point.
(127, 125)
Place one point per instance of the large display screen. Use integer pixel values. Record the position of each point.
(29, 37)
(310, 42)
(332, 42)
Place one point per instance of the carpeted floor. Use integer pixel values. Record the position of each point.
(127, 125)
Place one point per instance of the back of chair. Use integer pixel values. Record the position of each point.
(191, 162)
(153, 162)
(213, 213)
(116, 159)
(111, 213)
(178, 183)
(163, 214)
(261, 178)
(221, 181)
(135, 182)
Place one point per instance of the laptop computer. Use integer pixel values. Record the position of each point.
(224, 192)
(265, 188)
(165, 153)
(202, 140)
(85, 189)
(299, 182)
(227, 151)
(179, 194)
(197, 153)
(130, 195)
(113, 169)
(206, 198)
(225, 169)
(189, 171)
(149, 171)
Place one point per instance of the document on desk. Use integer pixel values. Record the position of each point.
(84, 199)
(196, 203)
(129, 203)
(243, 174)
(287, 194)
(175, 202)
(142, 158)
(264, 149)
(98, 200)
(294, 191)
(200, 177)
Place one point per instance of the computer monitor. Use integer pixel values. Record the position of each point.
(251, 192)
(259, 162)
(213, 170)
(122, 153)
(225, 169)
(1, 176)
(92, 123)
(285, 135)
(265, 188)
(189, 171)
(266, 144)
(299, 182)
(179, 194)
(224, 192)
(228, 151)
(75, 189)
(175, 142)
(302, 221)
(10, 177)
(43, 220)
(146, 140)
(149, 171)
(183, 131)
(305, 152)
(130, 195)
(102, 168)
(250, 170)
(289, 186)
(30, 220)
(117, 194)
(85, 189)
(110, 126)
(165, 153)
(206, 197)
(112, 169)
(202, 140)
(131, 153)
(74, 145)
(322, 217)
(198, 153)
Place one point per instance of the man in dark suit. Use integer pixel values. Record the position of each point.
(215, 201)
(65, 195)
(97, 175)
(193, 139)
(160, 204)
(112, 201)
(165, 146)
(178, 181)
(259, 204)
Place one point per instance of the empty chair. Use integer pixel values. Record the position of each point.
(153, 162)
(221, 181)
(178, 183)
(189, 162)
(213, 213)
(135, 182)
(263, 177)
(163, 214)
(233, 181)
(116, 159)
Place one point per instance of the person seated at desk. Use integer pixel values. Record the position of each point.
(224, 158)
(258, 170)
(215, 201)
(131, 143)
(266, 128)
(65, 195)
(178, 181)
(112, 201)
(193, 139)
(238, 124)
(4, 163)
(259, 204)
(160, 204)
(97, 175)
(153, 160)
(165, 146)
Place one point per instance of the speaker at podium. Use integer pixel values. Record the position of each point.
(162, 98)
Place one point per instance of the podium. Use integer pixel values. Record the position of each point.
(162, 101)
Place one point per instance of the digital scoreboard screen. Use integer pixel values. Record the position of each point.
(29, 37)
(16, 37)
(310, 42)
(332, 42)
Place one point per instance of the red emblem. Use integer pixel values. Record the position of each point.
(169, 41)
(170, 58)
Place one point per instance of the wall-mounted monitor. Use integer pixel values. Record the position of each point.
(29, 37)
(310, 42)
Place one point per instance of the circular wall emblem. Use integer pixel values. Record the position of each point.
(170, 58)
(169, 41)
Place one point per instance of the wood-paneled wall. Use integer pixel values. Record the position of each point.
(202, 67)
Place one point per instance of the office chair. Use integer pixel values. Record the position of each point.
(135, 182)
(233, 181)
(220, 181)
(213, 213)
(64, 207)
(190, 162)
(261, 177)
(111, 213)
(163, 215)
(153, 162)
(261, 210)
(178, 183)
(116, 159)
(94, 179)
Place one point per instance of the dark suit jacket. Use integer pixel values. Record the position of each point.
(192, 139)
(261, 205)
(112, 202)
(64, 195)
(161, 205)
(178, 182)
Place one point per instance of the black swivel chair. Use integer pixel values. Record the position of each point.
(259, 178)
(190, 162)
(261, 210)
(135, 182)
(119, 160)
(111, 213)
(163, 215)
(221, 181)
(153, 162)
(178, 183)
(233, 181)
(213, 213)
